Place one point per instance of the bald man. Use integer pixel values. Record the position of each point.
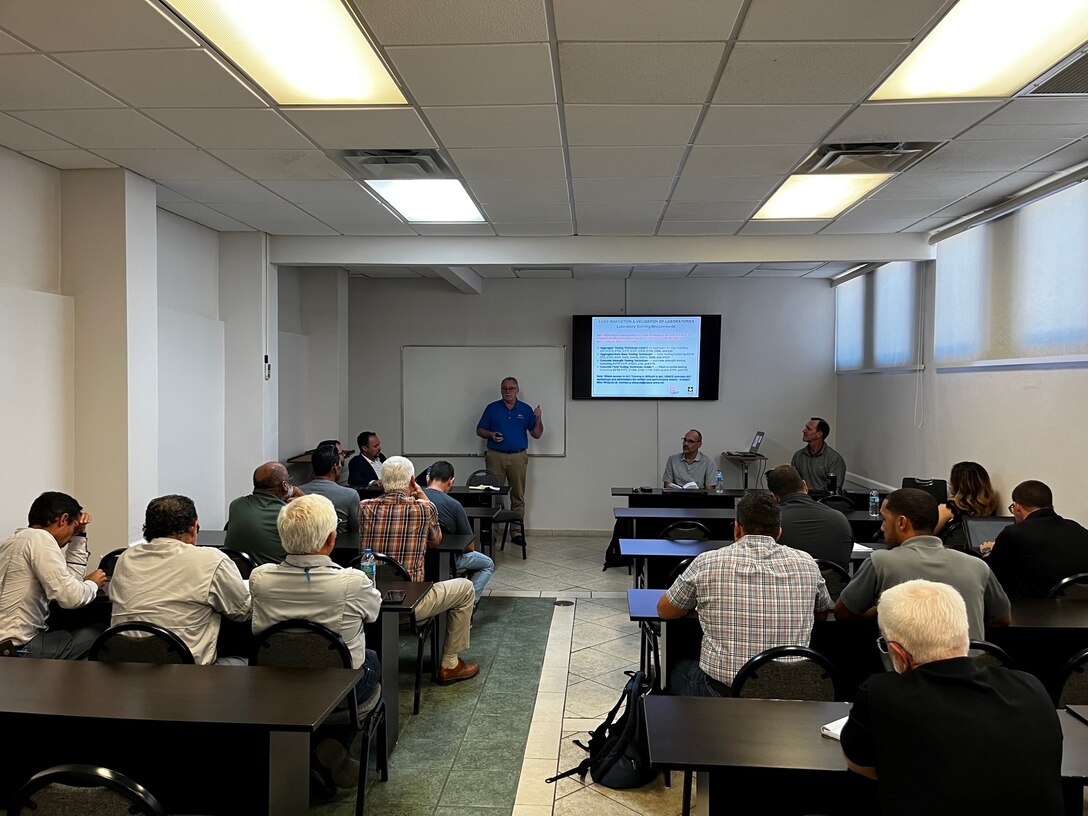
(251, 520)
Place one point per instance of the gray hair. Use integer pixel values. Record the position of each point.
(397, 473)
(926, 618)
(305, 524)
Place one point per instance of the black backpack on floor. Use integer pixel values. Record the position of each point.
(619, 752)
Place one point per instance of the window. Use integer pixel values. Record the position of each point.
(850, 325)
(876, 319)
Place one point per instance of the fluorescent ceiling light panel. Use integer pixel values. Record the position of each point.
(300, 53)
(442, 201)
(818, 196)
(988, 48)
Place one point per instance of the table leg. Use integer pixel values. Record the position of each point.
(288, 773)
(384, 638)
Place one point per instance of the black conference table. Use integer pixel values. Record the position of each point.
(648, 522)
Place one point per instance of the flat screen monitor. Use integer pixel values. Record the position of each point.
(984, 528)
(658, 357)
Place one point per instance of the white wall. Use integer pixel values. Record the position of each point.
(776, 372)
(190, 361)
(1018, 423)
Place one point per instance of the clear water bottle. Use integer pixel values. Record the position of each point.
(719, 483)
(874, 504)
(368, 563)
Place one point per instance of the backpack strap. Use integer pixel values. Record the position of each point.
(582, 768)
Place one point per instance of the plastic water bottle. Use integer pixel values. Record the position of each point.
(719, 483)
(874, 504)
(368, 563)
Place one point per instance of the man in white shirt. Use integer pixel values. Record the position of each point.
(171, 582)
(34, 571)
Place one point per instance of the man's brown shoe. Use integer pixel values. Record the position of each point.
(462, 671)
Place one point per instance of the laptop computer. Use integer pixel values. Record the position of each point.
(984, 528)
(757, 440)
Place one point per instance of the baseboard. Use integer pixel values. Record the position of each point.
(569, 533)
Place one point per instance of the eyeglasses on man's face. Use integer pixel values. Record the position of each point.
(690, 441)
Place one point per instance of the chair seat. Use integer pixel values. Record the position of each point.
(503, 516)
(371, 702)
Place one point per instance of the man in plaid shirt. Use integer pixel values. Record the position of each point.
(403, 523)
(751, 596)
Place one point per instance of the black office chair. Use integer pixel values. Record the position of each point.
(990, 655)
(838, 502)
(1072, 587)
(244, 561)
(151, 644)
(937, 488)
(423, 630)
(1072, 687)
(686, 531)
(508, 518)
(109, 561)
(772, 674)
(835, 576)
(77, 790)
(302, 643)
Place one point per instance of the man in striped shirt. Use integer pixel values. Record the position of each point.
(751, 596)
(403, 523)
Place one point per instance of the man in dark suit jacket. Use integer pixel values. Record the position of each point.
(1034, 554)
(365, 467)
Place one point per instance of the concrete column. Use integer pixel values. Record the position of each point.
(324, 320)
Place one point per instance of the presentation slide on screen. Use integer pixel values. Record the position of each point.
(646, 357)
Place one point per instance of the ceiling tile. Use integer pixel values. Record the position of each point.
(767, 124)
(661, 270)
(333, 193)
(384, 271)
(783, 227)
(217, 192)
(171, 164)
(830, 270)
(839, 20)
(77, 25)
(206, 216)
(395, 22)
(231, 127)
(301, 165)
(873, 208)
(175, 78)
(765, 272)
(630, 124)
(365, 219)
(111, 127)
(1014, 184)
(694, 187)
(477, 74)
(493, 271)
(707, 211)
(622, 189)
(642, 20)
(908, 121)
(276, 217)
(1042, 111)
(615, 211)
(510, 163)
(18, 135)
(164, 195)
(790, 266)
(929, 224)
(533, 229)
(376, 128)
(640, 73)
(589, 226)
(813, 73)
(10, 45)
(601, 271)
(741, 160)
(453, 229)
(35, 82)
(990, 132)
(497, 191)
(611, 162)
(848, 225)
(527, 211)
(68, 159)
(983, 156)
(531, 273)
(1070, 156)
(722, 270)
(699, 227)
(497, 126)
(951, 185)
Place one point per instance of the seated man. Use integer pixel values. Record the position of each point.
(327, 463)
(914, 552)
(690, 465)
(943, 736)
(171, 582)
(35, 571)
(1031, 556)
(820, 465)
(310, 586)
(819, 530)
(365, 468)
(454, 521)
(402, 523)
(751, 597)
(251, 520)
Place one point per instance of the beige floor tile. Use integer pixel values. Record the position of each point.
(589, 802)
(653, 799)
(532, 810)
(553, 679)
(590, 699)
(549, 706)
(579, 724)
(590, 662)
(543, 741)
(532, 789)
(592, 634)
(628, 646)
(516, 593)
(588, 611)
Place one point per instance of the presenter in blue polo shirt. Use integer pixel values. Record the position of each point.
(507, 424)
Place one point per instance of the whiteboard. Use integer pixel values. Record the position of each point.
(445, 389)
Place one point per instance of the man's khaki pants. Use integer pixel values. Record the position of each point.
(455, 597)
(510, 468)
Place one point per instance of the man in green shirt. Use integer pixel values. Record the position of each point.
(251, 520)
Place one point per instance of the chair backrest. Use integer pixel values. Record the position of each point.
(109, 561)
(149, 644)
(990, 655)
(686, 531)
(299, 643)
(483, 477)
(396, 572)
(244, 561)
(1072, 686)
(1072, 587)
(804, 675)
(841, 503)
(76, 790)
(835, 576)
(678, 570)
(937, 488)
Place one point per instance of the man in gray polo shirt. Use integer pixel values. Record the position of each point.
(914, 552)
(821, 531)
(690, 465)
(328, 464)
(820, 465)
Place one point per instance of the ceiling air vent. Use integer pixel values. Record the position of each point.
(866, 157)
(1072, 80)
(374, 165)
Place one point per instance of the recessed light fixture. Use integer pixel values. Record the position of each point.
(300, 53)
(441, 201)
(988, 48)
(818, 196)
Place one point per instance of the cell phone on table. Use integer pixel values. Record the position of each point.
(393, 595)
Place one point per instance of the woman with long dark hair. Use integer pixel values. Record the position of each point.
(970, 494)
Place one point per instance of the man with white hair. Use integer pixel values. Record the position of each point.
(941, 735)
(403, 523)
